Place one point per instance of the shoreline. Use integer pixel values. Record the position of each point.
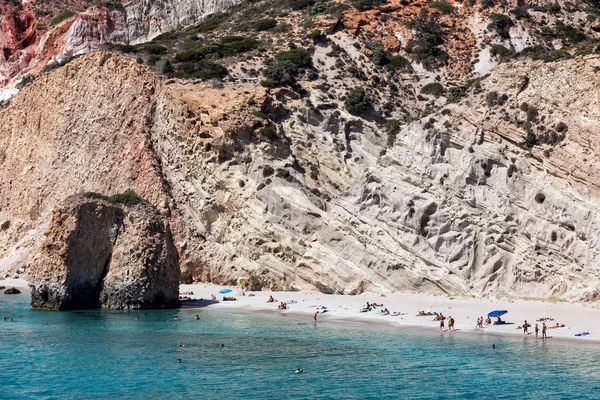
(345, 309)
(577, 317)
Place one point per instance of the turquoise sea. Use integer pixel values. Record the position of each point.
(107, 354)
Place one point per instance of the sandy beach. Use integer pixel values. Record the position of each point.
(576, 317)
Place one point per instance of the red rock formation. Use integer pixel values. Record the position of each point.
(18, 37)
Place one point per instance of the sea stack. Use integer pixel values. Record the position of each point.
(114, 253)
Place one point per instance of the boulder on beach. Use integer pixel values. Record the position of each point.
(114, 253)
(11, 290)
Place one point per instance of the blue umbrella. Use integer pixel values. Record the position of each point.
(223, 291)
(496, 313)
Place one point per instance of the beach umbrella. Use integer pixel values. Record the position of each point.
(223, 291)
(496, 313)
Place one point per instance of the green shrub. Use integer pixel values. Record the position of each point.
(167, 68)
(202, 69)
(569, 34)
(392, 63)
(55, 65)
(286, 68)
(123, 48)
(259, 114)
(530, 140)
(501, 52)
(398, 62)
(520, 12)
(434, 89)
(442, 7)
(229, 46)
(25, 80)
(154, 48)
(392, 128)
(315, 34)
(139, 60)
(357, 101)
(94, 195)
(61, 17)
(265, 24)
(363, 5)
(127, 197)
(488, 3)
(317, 8)
(210, 23)
(428, 37)
(501, 24)
(456, 93)
(379, 57)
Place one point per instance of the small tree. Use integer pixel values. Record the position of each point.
(357, 101)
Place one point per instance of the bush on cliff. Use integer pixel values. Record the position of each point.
(61, 17)
(200, 70)
(428, 37)
(501, 24)
(127, 197)
(433, 89)
(357, 101)
(287, 67)
(392, 63)
(442, 6)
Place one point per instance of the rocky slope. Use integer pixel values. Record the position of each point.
(30, 39)
(98, 253)
(441, 178)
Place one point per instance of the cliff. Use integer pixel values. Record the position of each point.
(338, 162)
(98, 253)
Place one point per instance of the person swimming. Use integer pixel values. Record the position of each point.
(179, 361)
(180, 344)
(298, 370)
(197, 317)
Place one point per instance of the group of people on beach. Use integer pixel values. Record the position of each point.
(481, 321)
(536, 329)
(371, 307)
(440, 317)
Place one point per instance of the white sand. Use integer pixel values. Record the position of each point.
(465, 311)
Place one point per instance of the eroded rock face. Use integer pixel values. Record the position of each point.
(27, 47)
(99, 254)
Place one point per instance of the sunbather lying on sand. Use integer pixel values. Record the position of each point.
(546, 319)
(229, 298)
(425, 314)
(385, 312)
(557, 326)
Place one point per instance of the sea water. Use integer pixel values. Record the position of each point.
(102, 354)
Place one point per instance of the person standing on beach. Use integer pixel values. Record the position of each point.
(525, 326)
(537, 329)
(315, 317)
(450, 323)
(544, 331)
(442, 323)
